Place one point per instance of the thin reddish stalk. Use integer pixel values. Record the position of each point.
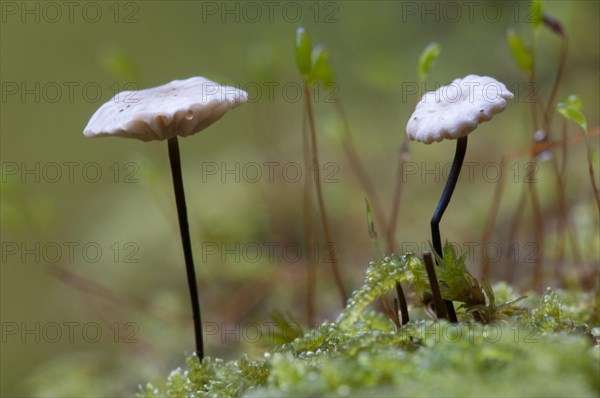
(367, 185)
(391, 232)
(320, 201)
(538, 275)
(537, 213)
(565, 223)
(579, 261)
(486, 270)
(359, 169)
(94, 288)
(550, 108)
(498, 194)
(311, 272)
(591, 171)
(393, 315)
(512, 233)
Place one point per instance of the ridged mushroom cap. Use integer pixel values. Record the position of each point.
(179, 108)
(453, 111)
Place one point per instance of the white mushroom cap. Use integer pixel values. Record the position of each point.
(455, 110)
(180, 108)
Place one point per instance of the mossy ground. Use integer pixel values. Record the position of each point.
(546, 347)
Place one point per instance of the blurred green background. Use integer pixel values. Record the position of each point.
(114, 311)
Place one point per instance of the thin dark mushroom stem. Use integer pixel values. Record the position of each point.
(174, 158)
(459, 157)
(402, 303)
(441, 310)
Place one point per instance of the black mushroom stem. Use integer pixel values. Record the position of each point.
(459, 156)
(174, 158)
(441, 310)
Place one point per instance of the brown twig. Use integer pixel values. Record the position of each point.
(537, 148)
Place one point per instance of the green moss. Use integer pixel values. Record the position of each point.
(381, 277)
(442, 359)
(544, 350)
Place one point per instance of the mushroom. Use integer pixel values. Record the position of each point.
(452, 112)
(179, 108)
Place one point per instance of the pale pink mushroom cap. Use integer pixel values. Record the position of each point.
(180, 108)
(453, 111)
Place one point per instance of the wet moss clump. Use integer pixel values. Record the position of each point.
(547, 346)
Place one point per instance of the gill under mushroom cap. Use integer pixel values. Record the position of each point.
(453, 111)
(179, 108)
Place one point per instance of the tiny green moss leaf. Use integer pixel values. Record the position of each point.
(372, 231)
(427, 59)
(571, 108)
(522, 54)
(120, 64)
(303, 52)
(320, 70)
(286, 328)
(380, 278)
(370, 223)
(536, 14)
